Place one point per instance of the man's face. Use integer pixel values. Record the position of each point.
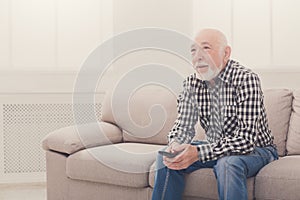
(207, 56)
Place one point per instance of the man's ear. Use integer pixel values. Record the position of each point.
(227, 53)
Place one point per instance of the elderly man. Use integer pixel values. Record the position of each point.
(227, 100)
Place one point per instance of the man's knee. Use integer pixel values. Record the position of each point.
(232, 164)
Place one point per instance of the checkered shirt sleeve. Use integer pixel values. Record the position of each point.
(183, 130)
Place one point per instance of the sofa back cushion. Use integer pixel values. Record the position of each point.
(149, 115)
(278, 103)
(142, 114)
(293, 139)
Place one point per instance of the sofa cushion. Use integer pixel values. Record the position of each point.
(125, 164)
(279, 179)
(202, 183)
(151, 114)
(278, 103)
(74, 138)
(293, 140)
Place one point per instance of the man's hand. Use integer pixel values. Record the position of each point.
(188, 156)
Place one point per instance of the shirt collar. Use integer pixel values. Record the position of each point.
(225, 74)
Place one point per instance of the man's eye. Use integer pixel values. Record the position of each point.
(206, 47)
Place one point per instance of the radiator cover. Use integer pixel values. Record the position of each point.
(25, 121)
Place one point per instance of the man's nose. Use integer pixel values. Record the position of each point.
(198, 56)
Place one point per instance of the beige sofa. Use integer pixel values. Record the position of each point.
(120, 165)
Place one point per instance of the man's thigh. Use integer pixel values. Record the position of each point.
(251, 163)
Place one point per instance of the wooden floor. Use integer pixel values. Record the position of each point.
(36, 191)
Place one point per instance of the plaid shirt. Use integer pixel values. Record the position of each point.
(231, 112)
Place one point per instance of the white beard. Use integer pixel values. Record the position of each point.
(210, 74)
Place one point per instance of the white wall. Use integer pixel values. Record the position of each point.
(170, 14)
(43, 35)
(167, 14)
(43, 42)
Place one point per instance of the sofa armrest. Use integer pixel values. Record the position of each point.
(74, 138)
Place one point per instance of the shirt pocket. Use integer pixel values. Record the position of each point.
(229, 118)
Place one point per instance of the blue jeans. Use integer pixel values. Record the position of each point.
(231, 173)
